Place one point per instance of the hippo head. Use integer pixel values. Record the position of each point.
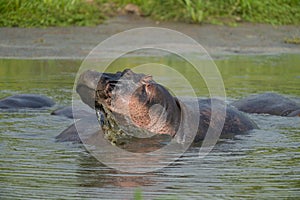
(137, 97)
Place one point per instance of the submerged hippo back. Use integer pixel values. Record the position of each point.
(267, 103)
(26, 101)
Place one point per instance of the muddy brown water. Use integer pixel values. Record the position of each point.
(262, 164)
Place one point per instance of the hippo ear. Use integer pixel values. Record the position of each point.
(146, 79)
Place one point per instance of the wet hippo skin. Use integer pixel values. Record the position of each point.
(68, 112)
(150, 101)
(268, 103)
(26, 101)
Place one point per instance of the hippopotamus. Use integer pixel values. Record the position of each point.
(67, 111)
(268, 103)
(151, 102)
(26, 101)
(70, 134)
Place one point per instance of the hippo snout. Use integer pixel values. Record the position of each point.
(88, 79)
(86, 86)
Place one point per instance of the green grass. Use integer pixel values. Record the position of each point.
(44, 13)
(138, 194)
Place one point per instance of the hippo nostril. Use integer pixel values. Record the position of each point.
(127, 71)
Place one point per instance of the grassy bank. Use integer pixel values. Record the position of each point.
(277, 12)
(42, 13)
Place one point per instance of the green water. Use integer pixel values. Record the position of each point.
(263, 164)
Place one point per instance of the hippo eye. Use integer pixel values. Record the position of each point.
(144, 90)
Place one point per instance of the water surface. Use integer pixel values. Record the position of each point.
(263, 164)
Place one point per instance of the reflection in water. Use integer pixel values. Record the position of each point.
(261, 164)
(92, 173)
